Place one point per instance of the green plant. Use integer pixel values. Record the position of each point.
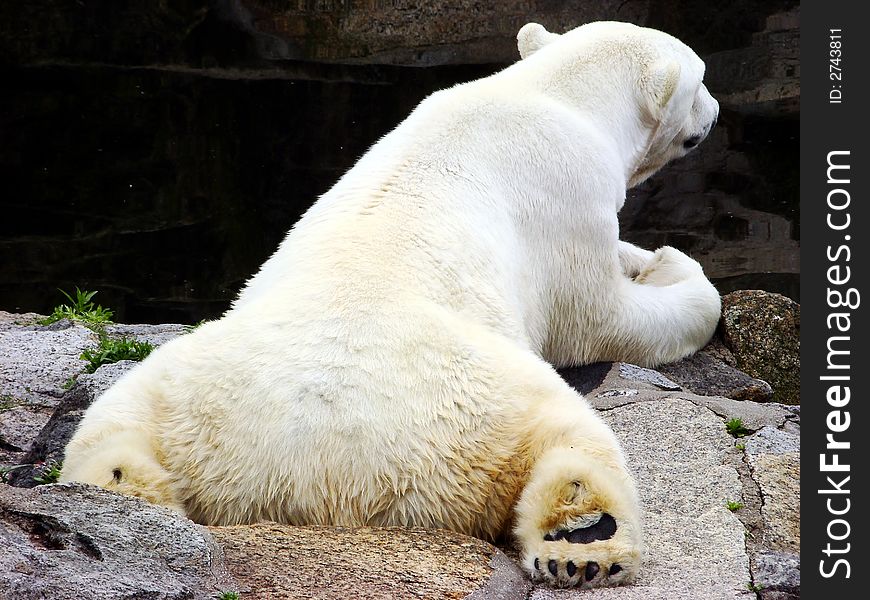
(112, 350)
(4, 471)
(754, 587)
(228, 596)
(733, 505)
(67, 385)
(80, 308)
(50, 473)
(735, 427)
(740, 447)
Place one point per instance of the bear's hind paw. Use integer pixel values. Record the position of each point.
(602, 528)
(559, 571)
(591, 555)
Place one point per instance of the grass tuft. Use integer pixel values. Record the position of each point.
(112, 350)
(735, 427)
(50, 473)
(81, 308)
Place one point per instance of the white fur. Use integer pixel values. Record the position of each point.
(390, 364)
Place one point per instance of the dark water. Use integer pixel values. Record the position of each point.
(165, 189)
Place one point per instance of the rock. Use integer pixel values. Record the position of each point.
(648, 376)
(627, 393)
(695, 545)
(459, 31)
(754, 416)
(762, 78)
(156, 335)
(102, 379)
(119, 34)
(73, 541)
(707, 376)
(762, 330)
(778, 574)
(36, 362)
(773, 456)
(328, 562)
(778, 478)
(49, 444)
(717, 349)
(12, 321)
(19, 425)
(770, 440)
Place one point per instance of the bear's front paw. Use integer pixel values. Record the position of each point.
(668, 266)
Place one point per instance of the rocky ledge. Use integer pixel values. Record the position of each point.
(721, 496)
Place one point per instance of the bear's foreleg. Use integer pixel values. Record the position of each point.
(633, 259)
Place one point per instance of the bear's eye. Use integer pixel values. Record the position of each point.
(692, 141)
(116, 473)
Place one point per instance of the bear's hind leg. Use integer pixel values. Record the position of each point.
(577, 520)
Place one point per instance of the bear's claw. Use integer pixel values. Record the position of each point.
(569, 575)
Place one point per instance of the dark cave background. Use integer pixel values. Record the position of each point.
(158, 154)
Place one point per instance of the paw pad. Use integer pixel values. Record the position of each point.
(568, 573)
(553, 568)
(571, 569)
(604, 529)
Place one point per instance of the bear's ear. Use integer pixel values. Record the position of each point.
(660, 82)
(532, 37)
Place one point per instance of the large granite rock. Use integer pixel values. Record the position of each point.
(71, 541)
(774, 460)
(762, 330)
(704, 374)
(332, 563)
(37, 362)
(680, 455)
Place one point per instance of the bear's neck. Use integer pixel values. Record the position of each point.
(594, 96)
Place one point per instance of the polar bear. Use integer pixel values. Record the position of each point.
(392, 362)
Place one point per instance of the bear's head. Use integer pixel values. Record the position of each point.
(645, 85)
